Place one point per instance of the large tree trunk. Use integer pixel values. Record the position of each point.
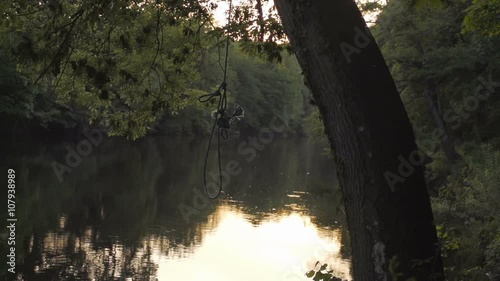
(260, 17)
(447, 141)
(370, 134)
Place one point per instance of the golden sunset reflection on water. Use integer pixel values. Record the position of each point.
(280, 248)
(230, 245)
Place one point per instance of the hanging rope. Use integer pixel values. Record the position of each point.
(221, 120)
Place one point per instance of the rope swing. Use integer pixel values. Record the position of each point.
(221, 119)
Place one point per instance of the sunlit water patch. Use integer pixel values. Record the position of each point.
(281, 248)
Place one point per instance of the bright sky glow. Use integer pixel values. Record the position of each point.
(220, 13)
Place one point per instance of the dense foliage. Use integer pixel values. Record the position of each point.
(118, 62)
(126, 66)
(262, 88)
(443, 59)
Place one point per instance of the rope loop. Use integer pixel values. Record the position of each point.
(221, 119)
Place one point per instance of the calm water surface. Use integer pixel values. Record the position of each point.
(134, 211)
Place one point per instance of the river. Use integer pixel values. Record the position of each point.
(137, 211)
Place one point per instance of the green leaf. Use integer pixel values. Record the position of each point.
(310, 274)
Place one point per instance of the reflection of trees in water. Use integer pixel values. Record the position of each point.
(114, 199)
(121, 204)
(64, 256)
